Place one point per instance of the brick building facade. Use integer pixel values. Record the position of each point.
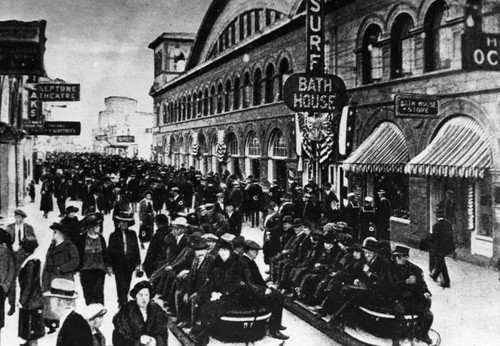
(225, 111)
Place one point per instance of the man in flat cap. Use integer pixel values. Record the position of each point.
(409, 295)
(17, 231)
(255, 291)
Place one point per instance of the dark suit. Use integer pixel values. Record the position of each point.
(254, 292)
(441, 244)
(235, 222)
(156, 251)
(220, 209)
(75, 331)
(383, 213)
(123, 263)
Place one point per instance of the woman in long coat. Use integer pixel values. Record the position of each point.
(31, 326)
(141, 321)
(62, 261)
(46, 202)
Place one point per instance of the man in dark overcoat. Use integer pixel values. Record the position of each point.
(124, 254)
(383, 212)
(442, 244)
(255, 292)
(157, 249)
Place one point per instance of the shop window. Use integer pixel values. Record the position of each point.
(237, 94)
(227, 94)
(232, 144)
(279, 146)
(438, 38)
(485, 227)
(253, 145)
(270, 83)
(257, 93)
(371, 55)
(396, 187)
(402, 51)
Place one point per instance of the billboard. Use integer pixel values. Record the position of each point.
(58, 92)
(22, 45)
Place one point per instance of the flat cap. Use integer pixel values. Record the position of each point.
(251, 245)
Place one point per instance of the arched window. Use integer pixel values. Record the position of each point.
(177, 110)
(246, 90)
(257, 93)
(227, 96)
(202, 142)
(269, 83)
(165, 114)
(181, 145)
(195, 104)
(252, 145)
(237, 94)
(200, 103)
(372, 55)
(401, 46)
(188, 107)
(212, 100)
(279, 146)
(183, 107)
(284, 69)
(220, 94)
(438, 38)
(232, 144)
(205, 102)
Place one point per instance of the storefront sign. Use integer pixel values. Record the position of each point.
(125, 139)
(62, 128)
(59, 92)
(34, 106)
(22, 45)
(101, 138)
(416, 106)
(480, 51)
(314, 93)
(315, 36)
(34, 127)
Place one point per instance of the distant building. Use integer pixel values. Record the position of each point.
(122, 130)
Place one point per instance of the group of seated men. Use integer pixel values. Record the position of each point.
(200, 276)
(322, 268)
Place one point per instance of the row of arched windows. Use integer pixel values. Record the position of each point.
(438, 45)
(278, 146)
(261, 87)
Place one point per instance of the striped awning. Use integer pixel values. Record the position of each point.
(459, 149)
(384, 150)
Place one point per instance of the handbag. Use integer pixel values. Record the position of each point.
(145, 233)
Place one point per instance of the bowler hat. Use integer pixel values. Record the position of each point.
(125, 216)
(371, 245)
(56, 226)
(62, 288)
(401, 250)
(251, 245)
(20, 212)
(71, 209)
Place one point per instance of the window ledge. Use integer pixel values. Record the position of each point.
(400, 220)
(484, 238)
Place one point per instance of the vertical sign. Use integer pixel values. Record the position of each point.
(315, 34)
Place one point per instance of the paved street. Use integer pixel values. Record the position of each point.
(467, 314)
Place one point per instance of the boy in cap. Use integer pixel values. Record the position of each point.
(409, 295)
(75, 330)
(255, 291)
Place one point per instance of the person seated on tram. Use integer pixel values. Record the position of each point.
(309, 261)
(368, 287)
(409, 295)
(213, 243)
(333, 257)
(291, 246)
(223, 290)
(303, 245)
(255, 291)
(328, 290)
(192, 295)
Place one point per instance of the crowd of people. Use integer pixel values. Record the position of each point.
(198, 265)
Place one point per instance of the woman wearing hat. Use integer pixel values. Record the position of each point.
(31, 326)
(46, 202)
(72, 223)
(61, 261)
(141, 321)
(94, 260)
